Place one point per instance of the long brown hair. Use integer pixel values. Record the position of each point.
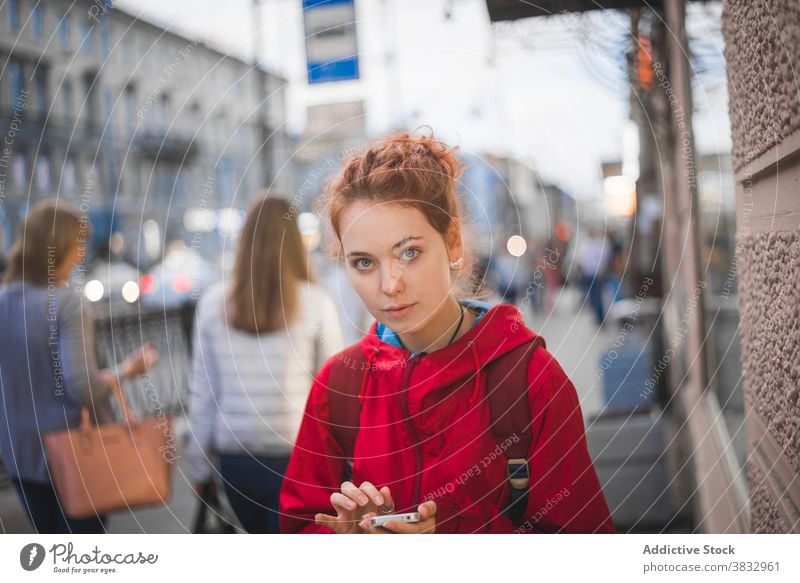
(50, 232)
(271, 262)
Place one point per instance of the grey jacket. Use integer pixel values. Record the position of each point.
(48, 371)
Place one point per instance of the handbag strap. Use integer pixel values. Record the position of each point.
(116, 390)
(119, 393)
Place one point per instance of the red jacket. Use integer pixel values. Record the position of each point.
(443, 448)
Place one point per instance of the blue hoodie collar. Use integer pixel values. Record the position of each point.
(389, 336)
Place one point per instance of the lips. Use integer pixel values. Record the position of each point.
(399, 310)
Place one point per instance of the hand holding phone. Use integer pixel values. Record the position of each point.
(423, 521)
(381, 520)
(354, 504)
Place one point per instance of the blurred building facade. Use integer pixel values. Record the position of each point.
(129, 121)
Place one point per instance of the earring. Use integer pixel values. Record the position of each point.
(457, 263)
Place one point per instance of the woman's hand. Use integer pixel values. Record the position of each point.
(352, 504)
(426, 524)
(139, 361)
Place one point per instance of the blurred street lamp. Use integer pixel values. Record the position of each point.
(198, 220)
(152, 239)
(308, 223)
(130, 291)
(516, 245)
(94, 291)
(229, 221)
(620, 195)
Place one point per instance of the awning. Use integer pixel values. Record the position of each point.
(514, 9)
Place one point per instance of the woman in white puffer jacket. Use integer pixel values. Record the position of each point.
(259, 338)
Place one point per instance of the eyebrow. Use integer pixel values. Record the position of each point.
(400, 243)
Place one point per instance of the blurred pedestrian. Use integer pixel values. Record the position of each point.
(593, 260)
(407, 420)
(48, 369)
(512, 273)
(552, 274)
(614, 270)
(258, 341)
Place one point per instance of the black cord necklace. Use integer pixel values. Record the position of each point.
(460, 321)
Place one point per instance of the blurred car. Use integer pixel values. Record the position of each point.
(112, 280)
(179, 278)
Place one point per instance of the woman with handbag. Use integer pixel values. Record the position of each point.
(260, 336)
(449, 409)
(48, 370)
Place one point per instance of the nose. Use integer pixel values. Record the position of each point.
(391, 279)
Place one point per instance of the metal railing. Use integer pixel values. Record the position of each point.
(163, 388)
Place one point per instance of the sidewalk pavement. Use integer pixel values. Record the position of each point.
(576, 342)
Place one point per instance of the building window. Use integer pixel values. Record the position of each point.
(64, 33)
(17, 86)
(68, 179)
(13, 14)
(126, 46)
(105, 41)
(40, 81)
(90, 104)
(20, 172)
(225, 181)
(111, 177)
(37, 16)
(110, 110)
(163, 113)
(130, 109)
(67, 102)
(43, 174)
(87, 34)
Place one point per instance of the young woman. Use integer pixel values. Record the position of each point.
(425, 439)
(48, 368)
(259, 339)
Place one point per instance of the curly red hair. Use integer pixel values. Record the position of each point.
(415, 171)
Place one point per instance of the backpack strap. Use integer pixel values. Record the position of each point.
(345, 407)
(507, 383)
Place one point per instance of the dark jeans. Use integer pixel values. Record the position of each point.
(252, 484)
(46, 515)
(594, 292)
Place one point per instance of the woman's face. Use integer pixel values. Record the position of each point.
(395, 258)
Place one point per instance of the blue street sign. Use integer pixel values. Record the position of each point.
(331, 47)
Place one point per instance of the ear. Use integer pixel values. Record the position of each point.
(455, 244)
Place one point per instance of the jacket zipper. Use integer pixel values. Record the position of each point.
(417, 449)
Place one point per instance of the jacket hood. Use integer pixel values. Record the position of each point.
(500, 329)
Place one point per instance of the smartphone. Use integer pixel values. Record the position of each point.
(381, 520)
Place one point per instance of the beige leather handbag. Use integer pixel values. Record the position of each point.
(116, 466)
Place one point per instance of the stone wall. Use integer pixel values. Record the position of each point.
(763, 55)
(762, 39)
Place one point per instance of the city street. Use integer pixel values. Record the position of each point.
(200, 206)
(571, 336)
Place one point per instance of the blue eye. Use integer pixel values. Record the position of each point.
(415, 250)
(357, 262)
